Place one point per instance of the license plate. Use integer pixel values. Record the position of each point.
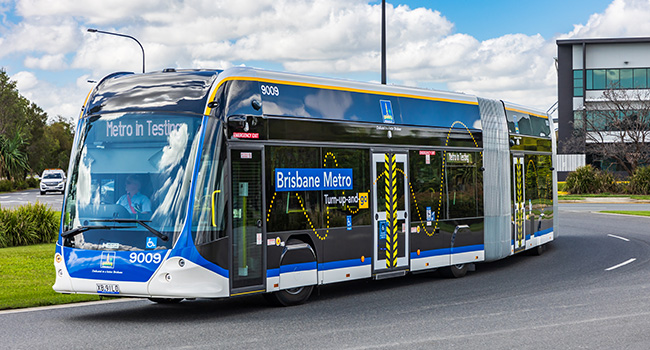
(108, 288)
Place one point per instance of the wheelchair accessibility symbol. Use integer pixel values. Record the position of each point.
(152, 242)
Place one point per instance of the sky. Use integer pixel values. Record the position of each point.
(494, 49)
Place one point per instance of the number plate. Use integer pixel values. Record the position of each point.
(107, 288)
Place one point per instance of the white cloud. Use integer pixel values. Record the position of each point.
(46, 62)
(621, 18)
(48, 35)
(24, 81)
(64, 101)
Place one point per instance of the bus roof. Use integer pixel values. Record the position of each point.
(170, 90)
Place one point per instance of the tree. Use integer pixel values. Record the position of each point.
(27, 141)
(11, 105)
(13, 161)
(615, 126)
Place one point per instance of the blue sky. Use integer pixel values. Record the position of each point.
(490, 19)
(498, 49)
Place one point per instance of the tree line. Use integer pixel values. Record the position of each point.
(28, 142)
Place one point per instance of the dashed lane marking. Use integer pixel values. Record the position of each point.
(621, 264)
(619, 237)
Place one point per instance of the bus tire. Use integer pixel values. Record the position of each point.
(454, 271)
(537, 251)
(289, 297)
(166, 300)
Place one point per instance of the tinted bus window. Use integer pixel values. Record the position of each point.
(425, 180)
(462, 185)
(527, 124)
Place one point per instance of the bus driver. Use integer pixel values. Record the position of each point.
(134, 201)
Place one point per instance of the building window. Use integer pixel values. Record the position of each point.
(640, 81)
(600, 83)
(626, 79)
(578, 82)
(602, 79)
(613, 76)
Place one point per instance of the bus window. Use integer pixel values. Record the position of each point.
(210, 204)
(426, 167)
(288, 209)
(540, 126)
(462, 185)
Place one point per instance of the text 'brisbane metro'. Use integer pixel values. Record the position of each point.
(313, 179)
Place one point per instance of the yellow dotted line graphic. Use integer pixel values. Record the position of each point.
(330, 154)
(268, 214)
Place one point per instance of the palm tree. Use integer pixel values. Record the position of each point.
(13, 161)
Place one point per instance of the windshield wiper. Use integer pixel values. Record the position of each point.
(77, 230)
(161, 235)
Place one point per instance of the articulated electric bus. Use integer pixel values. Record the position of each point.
(211, 184)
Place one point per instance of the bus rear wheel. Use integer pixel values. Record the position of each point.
(289, 297)
(454, 271)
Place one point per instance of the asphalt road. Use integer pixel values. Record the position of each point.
(15, 199)
(577, 295)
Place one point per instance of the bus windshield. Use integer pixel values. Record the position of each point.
(129, 181)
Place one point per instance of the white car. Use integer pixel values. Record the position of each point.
(52, 180)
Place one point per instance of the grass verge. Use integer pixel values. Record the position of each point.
(628, 212)
(583, 196)
(27, 275)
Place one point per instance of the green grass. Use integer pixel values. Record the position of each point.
(628, 212)
(583, 196)
(26, 278)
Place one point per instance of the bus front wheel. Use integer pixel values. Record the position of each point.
(289, 297)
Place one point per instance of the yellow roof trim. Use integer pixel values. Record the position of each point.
(520, 111)
(333, 87)
(84, 105)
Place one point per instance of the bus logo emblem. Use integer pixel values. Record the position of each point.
(107, 260)
(387, 111)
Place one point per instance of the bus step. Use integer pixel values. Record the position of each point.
(391, 274)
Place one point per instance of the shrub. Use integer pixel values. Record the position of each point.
(33, 182)
(29, 224)
(608, 182)
(586, 179)
(20, 185)
(583, 180)
(640, 180)
(6, 186)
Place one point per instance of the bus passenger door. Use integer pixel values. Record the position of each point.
(248, 254)
(390, 212)
(519, 203)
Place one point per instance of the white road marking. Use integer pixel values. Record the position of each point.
(619, 237)
(621, 264)
(65, 306)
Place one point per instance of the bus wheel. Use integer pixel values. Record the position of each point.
(537, 251)
(289, 297)
(166, 300)
(454, 271)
